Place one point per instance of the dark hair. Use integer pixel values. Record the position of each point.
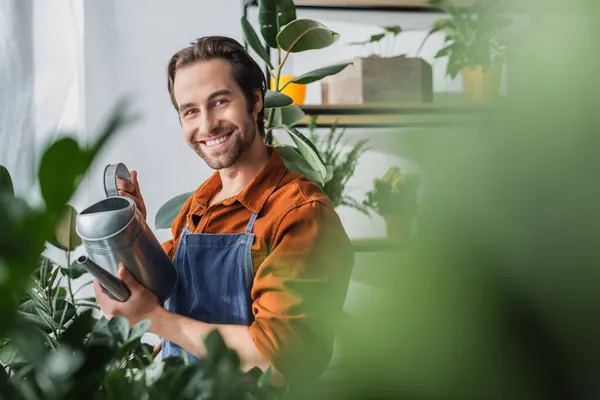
(246, 71)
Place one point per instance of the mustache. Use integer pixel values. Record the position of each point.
(219, 131)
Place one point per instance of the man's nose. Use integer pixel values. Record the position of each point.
(207, 124)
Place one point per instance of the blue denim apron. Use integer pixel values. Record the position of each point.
(215, 279)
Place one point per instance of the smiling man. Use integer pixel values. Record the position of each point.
(261, 253)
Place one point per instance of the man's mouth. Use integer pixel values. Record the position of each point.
(217, 141)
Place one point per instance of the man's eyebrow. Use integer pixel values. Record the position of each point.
(219, 93)
(212, 96)
(186, 105)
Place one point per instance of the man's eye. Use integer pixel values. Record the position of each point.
(220, 102)
(189, 112)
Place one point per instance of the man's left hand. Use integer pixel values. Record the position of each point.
(142, 304)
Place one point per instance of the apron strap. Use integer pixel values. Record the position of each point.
(251, 223)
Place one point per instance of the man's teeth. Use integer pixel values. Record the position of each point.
(215, 142)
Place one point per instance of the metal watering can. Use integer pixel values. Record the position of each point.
(112, 231)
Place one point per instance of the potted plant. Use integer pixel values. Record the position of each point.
(342, 163)
(394, 197)
(382, 76)
(474, 45)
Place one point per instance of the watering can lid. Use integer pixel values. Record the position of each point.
(111, 172)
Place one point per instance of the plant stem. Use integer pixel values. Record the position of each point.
(68, 277)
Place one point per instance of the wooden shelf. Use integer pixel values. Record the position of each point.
(390, 115)
(364, 5)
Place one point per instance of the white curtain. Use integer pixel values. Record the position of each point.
(40, 74)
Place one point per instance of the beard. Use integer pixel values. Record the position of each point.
(238, 143)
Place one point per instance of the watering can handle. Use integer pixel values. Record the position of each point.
(111, 173)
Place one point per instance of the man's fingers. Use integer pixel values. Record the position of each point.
(138, 203)
(134, 181)
(122, 184)
(127, 278)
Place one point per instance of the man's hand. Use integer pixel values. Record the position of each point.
(142, 304)
(132, 190)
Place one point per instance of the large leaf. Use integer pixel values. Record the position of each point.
(64, 163)
(65, 234)
(272, 16)
(306, 34)
(308, 151)
(276, 99)
(297, 163)
(6, 184)
(288, 115)
(320, 73)
(139, 329)
(254, 41)
(169, 211)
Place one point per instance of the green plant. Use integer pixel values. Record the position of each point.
(343, 165)
(284, 34)
(393, 194)
(473, 34)
(382, 51)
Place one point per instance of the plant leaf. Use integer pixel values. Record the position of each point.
(169, 211)
(305, 34)
(288, 115)
(272, 16)
(298, 164)
(119, 328)
(76, 270)
(138, 330)
(393, 29)
(6, 184)
(58, 180)
(308, 150)
(320, 73)
(65, 234)
(254, 41)
(276, 99)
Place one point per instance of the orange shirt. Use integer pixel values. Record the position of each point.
(302, 260)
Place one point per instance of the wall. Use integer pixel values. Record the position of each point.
(127, 47)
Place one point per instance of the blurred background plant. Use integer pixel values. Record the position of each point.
(342, 163)
(394, 197)
(382, 48)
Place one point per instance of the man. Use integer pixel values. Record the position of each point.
(261, 253)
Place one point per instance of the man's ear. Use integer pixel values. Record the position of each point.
(258, 102)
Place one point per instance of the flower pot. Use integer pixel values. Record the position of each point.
(398, 226)
(482, 86)
(296, 91)
(380, 80)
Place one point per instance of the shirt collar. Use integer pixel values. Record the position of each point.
(255, 194)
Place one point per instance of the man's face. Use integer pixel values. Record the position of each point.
(214, 112)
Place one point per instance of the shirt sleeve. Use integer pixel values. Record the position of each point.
(299, 291)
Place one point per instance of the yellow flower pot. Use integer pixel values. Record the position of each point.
(295, 91)
(482, 86)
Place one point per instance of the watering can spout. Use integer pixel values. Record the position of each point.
(111, 283)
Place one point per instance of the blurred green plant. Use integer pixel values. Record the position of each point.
(390, 32)
(343, 164)
(473, 34)
(394, 193)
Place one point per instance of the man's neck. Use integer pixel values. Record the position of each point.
(236, 178)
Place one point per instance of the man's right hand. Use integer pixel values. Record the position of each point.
(132, 190)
